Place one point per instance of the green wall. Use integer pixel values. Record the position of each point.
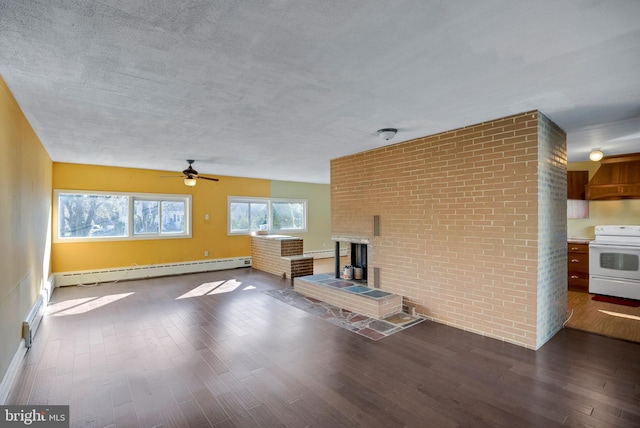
(318, 237)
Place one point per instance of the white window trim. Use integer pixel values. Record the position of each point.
(132, 196)
(268, 201)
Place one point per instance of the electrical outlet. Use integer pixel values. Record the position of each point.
(206, 253)
(206, 216)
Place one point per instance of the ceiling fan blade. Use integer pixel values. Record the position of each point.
(171, 176)
(191, 174)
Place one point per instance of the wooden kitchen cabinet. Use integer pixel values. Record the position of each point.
(576, 184)
(618, 177)
(578, 266)
(614, 191)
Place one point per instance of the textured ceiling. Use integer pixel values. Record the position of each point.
(275, 89)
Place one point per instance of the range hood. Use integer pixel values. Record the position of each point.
(617, 178)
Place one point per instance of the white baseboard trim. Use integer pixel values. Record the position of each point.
(12, 373)
(87, 277)
(16, 362)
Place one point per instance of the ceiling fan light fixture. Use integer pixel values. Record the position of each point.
(190, 181)
(387, 133)
(596, 155)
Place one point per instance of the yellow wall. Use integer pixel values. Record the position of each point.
(626, 211)
(25, 201)
(207, 235)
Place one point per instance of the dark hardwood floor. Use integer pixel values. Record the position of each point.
(211, 349)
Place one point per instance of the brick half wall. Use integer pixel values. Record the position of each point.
(280, 255)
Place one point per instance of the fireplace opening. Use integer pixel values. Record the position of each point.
(358, 261)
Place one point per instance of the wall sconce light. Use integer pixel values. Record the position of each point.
(596, 155)
(190, 181)
(387, 133)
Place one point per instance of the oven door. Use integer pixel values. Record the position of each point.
(614, 261)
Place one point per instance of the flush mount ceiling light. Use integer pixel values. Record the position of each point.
(596, 155)
(387, 133)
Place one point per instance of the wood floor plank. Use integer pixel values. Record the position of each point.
(125, 415)
(178, 386)
(61, 391)
(27, 377)
(42, 388)
(272, 402)
(595, 420)
(236, 411)
(100, 400)
(317, 412)
(534, 413)
(119, 388)
(172, 416)
(154, 356)
(211, 407)
(264, 417)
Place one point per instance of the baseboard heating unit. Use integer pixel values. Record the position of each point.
(31, 324)
(87, 277)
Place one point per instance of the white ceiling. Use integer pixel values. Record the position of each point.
(275, 89)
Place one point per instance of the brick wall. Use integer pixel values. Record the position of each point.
(291, 247)
(458, 223)
(552, 229)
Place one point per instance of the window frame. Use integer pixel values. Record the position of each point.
(131, 198)
(269, 202)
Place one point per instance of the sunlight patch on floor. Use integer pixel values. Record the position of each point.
(216, 287)
(226, 287)
(81, 306)
(620, 315)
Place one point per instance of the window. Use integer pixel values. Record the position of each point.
(88, 216)
(172, 215)
(287, 215)
(247, 215)
(153, 217)
(145, 215)
(120, 216)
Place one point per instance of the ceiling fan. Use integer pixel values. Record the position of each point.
(191, 176)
